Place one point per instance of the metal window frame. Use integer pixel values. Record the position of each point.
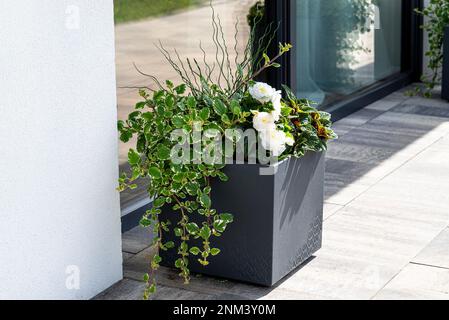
(445, 79)
(284, 13)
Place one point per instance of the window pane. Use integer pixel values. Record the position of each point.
(346, 45)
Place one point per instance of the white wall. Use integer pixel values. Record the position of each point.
(58, 158)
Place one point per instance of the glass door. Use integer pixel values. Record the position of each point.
(345, 45)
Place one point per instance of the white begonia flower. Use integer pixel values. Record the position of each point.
(276, 101)
(274, 141)
(263, 121)
(261, 92)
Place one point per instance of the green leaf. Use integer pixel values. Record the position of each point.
(163, 152)
(125, 136)
(220, 225)
(222, 176)
(178, 232)
(178, 177)
(159, 202)
(227, 217)
(192, 188)
(205, 232)
(180, 89)
(219, 107)
(178, 121)
(192, 228)
(169, 244)
(160, 110)
(157, 258)
(213, 125)
(204, 114)
(225, 119)
(205, 200)
(141, 105)
(133, 157)
(214, 251)
(266, 58)
(181, 106)
(158, 94)
(133, 115)
(170, 101)
(240, 70)
(120, 125)
(168, 114)
(207, 189)
(289, 92)
(141, 143)
(155, 173)
(148, 116)
(202, 262)
(145, 222)
(194, 250)
(235, 107)
(146, 277)
(135, 173)
(191, 102)
(169, 84)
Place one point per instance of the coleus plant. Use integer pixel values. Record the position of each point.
(285, 126)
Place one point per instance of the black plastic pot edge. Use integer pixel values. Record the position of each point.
(445, 79)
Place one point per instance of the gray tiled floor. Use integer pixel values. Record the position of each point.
(386, 232)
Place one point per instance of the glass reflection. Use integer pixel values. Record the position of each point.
(346, 45)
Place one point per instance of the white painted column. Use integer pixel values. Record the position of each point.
(59, 210)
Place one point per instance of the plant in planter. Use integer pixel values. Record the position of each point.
(186, 137)
(437, 14)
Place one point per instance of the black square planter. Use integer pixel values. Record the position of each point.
(277, 221)
(445, 81)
